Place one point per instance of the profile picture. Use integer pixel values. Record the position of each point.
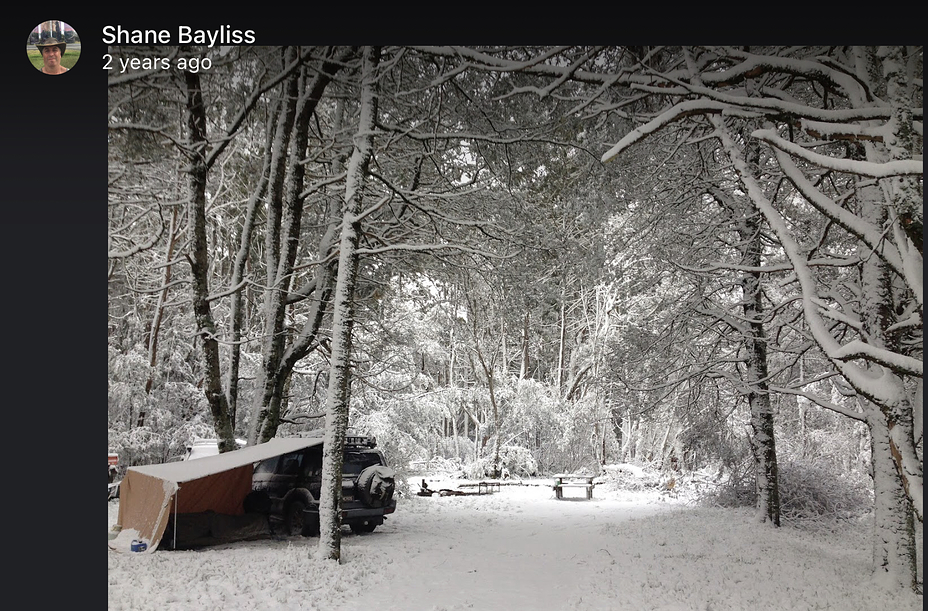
(53, 47)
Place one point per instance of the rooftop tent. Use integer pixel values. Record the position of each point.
(150, 494)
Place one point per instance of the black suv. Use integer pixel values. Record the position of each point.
(293, 483)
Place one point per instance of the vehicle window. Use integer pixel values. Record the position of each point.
(267, 466)
(355, 462)
(312, 463)
(290, 463)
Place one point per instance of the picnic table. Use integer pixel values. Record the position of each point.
(572, 480)
(487, 487)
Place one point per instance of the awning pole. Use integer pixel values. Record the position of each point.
(174, 543)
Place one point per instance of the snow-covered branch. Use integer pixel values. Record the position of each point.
(899, 363)
(899, 167)
(676, 113)
(829, 405)
(432, 248)
(863, 380)
(867, 233)
(841, 131)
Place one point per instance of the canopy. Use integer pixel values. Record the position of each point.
(149, 494)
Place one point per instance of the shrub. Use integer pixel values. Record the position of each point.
(631, 477)
(808, 489)
(518, 461)
(735, 486)
(815, 489)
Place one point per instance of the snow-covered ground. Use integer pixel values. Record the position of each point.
(520, 549)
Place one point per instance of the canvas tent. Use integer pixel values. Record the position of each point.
(150, 494)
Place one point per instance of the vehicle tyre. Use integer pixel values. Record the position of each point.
(366, 527)
(294, 521)
(376, 485)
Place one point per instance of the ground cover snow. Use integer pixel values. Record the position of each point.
(519, 549)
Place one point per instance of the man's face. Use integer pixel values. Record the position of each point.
(51, 56)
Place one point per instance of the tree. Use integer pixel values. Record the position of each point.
(286, 200)
(759, 244)
(818, 108)
(144, 130)
(142, 126)
(867, 96)
(339, 391)
(198, 259)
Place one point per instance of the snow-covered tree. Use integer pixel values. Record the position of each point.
(844, 127)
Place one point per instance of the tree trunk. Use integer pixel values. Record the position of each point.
(763, 443)
(754, 341)
(803, 404)
(491, 388)
(889, 394)
(562, 347)
(523, 370)
(617, 430)
(199, 262)
(630, 444)
(285, 206)
(894, 556)
(267, 411)
(488, 372)
(891, 424)
(155, 332)
(452, 385)
(238, 300)
(339, 389)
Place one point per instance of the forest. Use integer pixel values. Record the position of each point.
(530, 260)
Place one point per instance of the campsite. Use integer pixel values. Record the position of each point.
(523, 550)
(209, 492)
(516, 267)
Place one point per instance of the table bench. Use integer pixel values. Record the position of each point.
(487, 487)
(584, 482)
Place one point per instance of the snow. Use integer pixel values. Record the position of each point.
(520, 548)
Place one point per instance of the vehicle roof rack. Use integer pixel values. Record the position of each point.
(362, 441)
(351, 438)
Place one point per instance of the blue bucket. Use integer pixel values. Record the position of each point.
(138, 546)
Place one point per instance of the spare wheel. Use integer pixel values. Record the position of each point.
(376, 485)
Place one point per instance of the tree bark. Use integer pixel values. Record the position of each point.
(523, 370)
(339, 388)
(890, 424)
(237, 301)
(617, 430)
(562, 345)
(199, 262)
(267, 412)
(894, 552)
(487, 369)
(763, 442)
(454, 403)
(155, 332)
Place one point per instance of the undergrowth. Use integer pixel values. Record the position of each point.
(808, 491)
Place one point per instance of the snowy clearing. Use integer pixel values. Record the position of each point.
(522, 549)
